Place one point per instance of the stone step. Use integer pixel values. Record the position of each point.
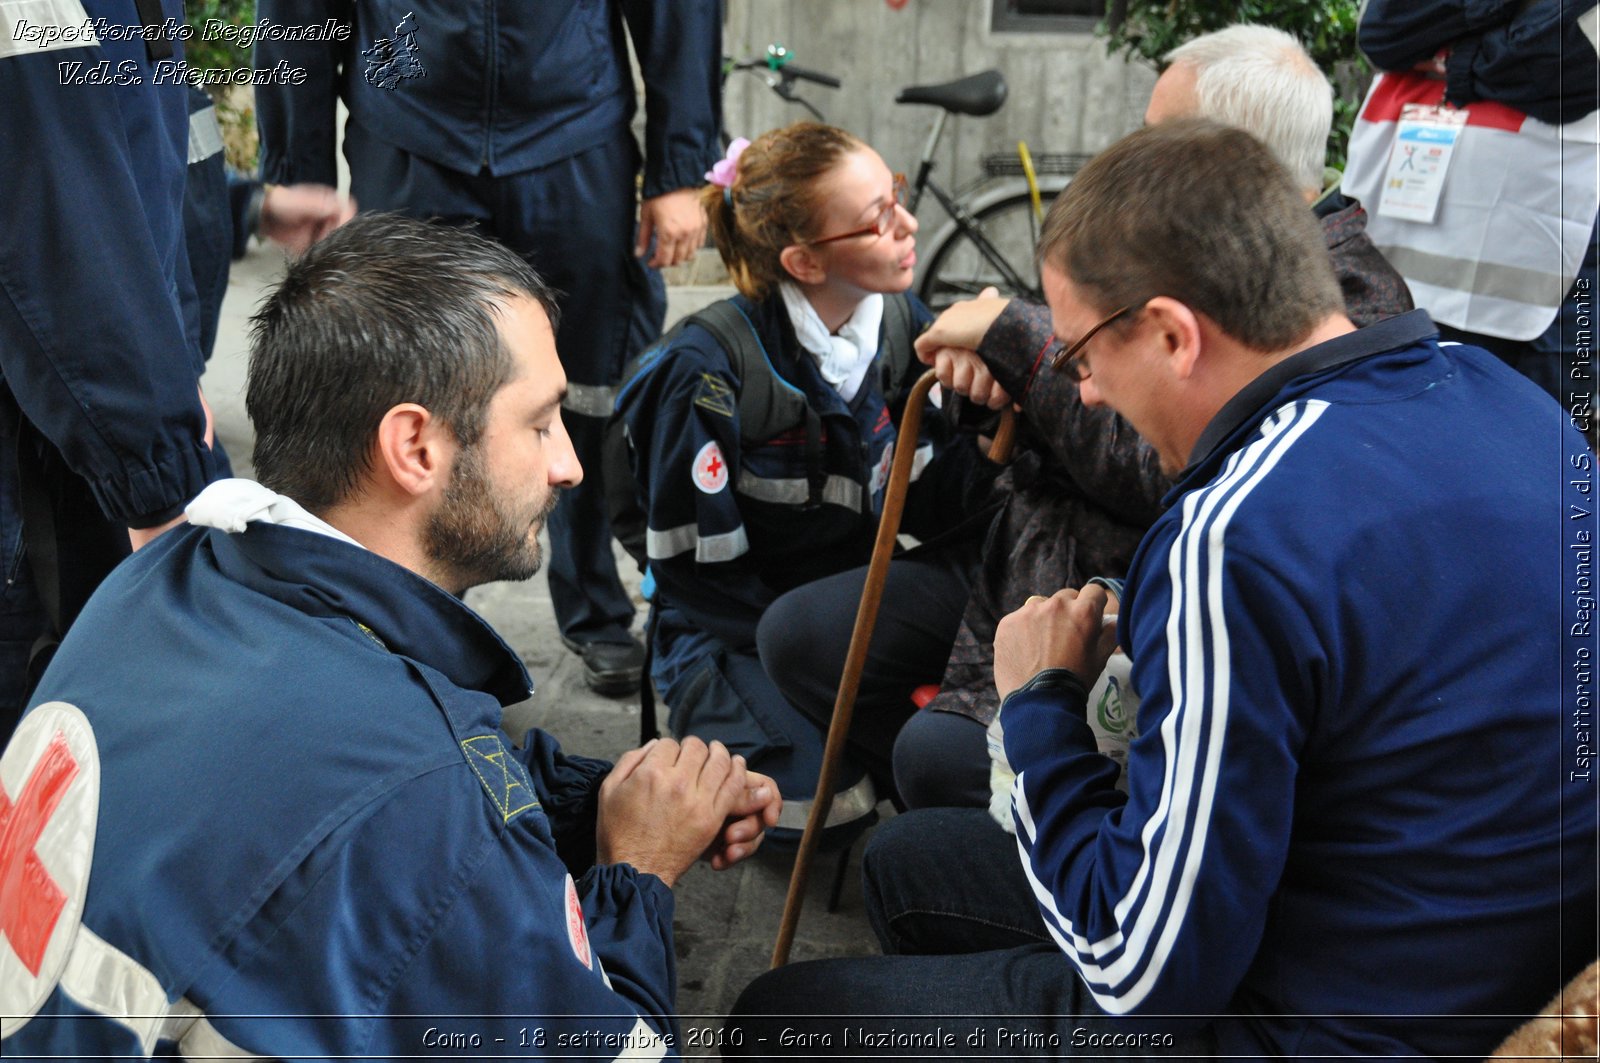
(704, 268)
(683, 299)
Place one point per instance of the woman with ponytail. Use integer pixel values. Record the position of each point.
(761, 434)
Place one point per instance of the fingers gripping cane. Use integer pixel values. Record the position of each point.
(894, 500)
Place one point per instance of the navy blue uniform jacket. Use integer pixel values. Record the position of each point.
(313, 834)
(98, 319)
(508, 88)
(730, 524)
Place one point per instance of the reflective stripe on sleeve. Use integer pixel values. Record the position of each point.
(103, 979)
(661, 545)
(28, 26)
(590, 400)
(795, 491)
(202, 1041)
(205, 135)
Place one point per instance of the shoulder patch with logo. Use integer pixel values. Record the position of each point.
(49, 808)
(715, 395)
(710, 471)
(504, 778)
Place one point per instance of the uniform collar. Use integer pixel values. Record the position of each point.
(234, 504)
(1252, 401)
(410, 616)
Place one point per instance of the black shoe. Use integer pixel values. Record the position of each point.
(611, 668)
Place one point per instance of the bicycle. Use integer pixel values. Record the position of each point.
(994, 220)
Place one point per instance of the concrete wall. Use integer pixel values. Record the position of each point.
(1066, 95)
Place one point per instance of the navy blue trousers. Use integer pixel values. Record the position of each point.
(804, 637)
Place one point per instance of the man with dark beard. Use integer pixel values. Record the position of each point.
(274, 736)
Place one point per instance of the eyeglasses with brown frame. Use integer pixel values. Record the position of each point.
(1069, 360)
(882, 224)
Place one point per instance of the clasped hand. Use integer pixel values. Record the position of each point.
(950, 346)
(667, 804)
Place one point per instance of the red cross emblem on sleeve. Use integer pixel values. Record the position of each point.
(49, 804)
(710, 470)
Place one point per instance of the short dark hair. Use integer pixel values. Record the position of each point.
(384, 310)
(1205, 214)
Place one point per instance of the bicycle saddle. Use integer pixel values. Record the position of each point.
(977, 95)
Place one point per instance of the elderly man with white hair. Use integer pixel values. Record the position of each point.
(1260, 79)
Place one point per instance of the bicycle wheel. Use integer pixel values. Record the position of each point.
(959, 269)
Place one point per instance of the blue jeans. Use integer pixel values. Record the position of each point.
(942, 759)
(984, 980)
(922, 902)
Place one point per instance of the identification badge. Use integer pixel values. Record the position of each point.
(1426, 138)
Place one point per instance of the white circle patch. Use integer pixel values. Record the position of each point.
(49, 806)
(710, 471)
(577, 928)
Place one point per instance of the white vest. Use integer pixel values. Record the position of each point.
(1514, 219)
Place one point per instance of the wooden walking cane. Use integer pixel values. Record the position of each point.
(894, 501)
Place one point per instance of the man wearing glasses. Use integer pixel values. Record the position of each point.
(1355, 821)
(1079, 498)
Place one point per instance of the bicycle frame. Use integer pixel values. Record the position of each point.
(964, 221)
(962, 206)
(958, 212)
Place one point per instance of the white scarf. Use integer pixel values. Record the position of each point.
(842, 358)
(232, 504)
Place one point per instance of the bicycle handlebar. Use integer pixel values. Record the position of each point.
(778, 63)
(804, 74)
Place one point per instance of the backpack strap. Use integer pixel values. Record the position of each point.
(816, 478)
(897, 351)
(768, 404)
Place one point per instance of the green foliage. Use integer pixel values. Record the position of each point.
(1327, 29)
(217, 53)
(235, 104)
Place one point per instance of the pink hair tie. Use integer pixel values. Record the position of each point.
(726, 171)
